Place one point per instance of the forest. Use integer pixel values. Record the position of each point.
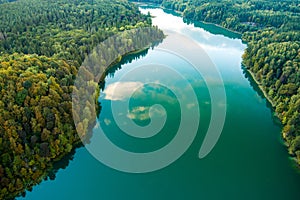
(274, 59)
(240, 15)
(42, 45)
(271, 31)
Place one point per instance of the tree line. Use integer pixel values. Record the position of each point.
(42, 45)
(240, 15)
(274, 59)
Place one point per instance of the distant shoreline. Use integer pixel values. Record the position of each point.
(181, 14)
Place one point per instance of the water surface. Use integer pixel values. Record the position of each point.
(248, 162)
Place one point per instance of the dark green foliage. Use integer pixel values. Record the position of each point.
(240, 15)
(42, 45)
(21, 95)
(64, 29)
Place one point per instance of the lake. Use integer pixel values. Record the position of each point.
(248, 161)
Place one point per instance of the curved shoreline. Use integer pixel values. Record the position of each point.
(259, 85)
(227, 29)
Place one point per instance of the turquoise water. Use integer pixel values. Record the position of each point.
(248, 161)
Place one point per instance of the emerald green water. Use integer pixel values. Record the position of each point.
(248, 161)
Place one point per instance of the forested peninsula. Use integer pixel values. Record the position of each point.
(271, 30)
(42, 45)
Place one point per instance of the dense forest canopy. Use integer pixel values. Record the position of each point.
(42, 45)
(64, 29)
(240, 15)
(274, 59)
(271, 29)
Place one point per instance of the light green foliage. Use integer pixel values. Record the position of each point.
(274, 57)
(42, 45)
(25, 111)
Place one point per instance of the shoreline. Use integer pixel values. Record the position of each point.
(218, 25)
(181, 15)
(207, 23)
(260, 86)
(252, 75)
(119, 59)
(246, 67)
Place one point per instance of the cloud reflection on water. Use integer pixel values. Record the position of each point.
(120, 90)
